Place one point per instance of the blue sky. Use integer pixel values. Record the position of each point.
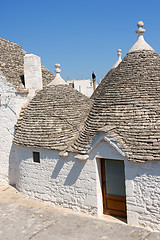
(80, 35)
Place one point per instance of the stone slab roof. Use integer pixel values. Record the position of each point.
(12, 65)
(53, 118)
(129, 107)
(99, 89)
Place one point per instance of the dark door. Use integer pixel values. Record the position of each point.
(113, 187)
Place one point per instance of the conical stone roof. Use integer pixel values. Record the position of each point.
(12, 65)
(98, 90)
(52, 118)
(128, 108)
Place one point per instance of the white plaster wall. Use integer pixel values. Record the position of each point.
(32, 73)
(85, 86)
(102, 149)
(143, 194)
(77, 184)
(142, 182)
(10, 106)
(65, 182)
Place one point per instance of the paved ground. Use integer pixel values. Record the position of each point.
(24, 219)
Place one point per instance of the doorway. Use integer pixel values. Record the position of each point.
(113, 187)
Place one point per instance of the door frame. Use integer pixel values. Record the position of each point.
(111, 199)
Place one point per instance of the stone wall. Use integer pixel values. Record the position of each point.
(76, 184)
(142, 186)
(10, 107)
(65, 182)
(143, 194)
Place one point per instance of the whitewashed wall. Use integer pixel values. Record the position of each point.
(102, 149)
(10, 106)
(65, 182)
(76, 184)
(142, 186)
(143, 194)
(85, 86)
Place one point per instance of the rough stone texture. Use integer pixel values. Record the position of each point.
(129, 105)
(53, 118)
(12, 65)
(76, 184)
(13, 97)
(102, 84)
(142, 181)
(65, 182)
(10, 107)
(143, 194)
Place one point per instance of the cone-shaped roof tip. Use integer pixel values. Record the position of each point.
(140, 44)
(58, 79)
(119, 54)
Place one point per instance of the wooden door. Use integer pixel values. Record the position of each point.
(113, 187)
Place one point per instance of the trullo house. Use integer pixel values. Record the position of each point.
(99, 156)
(21, 75)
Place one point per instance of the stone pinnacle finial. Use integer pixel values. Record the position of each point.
(140, 44)
(119, 54)
(57, 70)
(58, 79)
(140, 30)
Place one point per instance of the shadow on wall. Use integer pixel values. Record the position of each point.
(12, 171)
(72, 175)
(57, 169)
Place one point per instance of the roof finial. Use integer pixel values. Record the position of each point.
(57, 70)
(119, 54)
(140, 43)
(58, 79)
(140, 30)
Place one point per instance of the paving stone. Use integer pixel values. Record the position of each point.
(24, 219)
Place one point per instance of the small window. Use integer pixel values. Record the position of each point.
(36, 157)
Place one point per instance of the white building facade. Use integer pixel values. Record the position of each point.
(77, 183)
(20, 79)
(10, 108)
(99, 157)
(84, 86)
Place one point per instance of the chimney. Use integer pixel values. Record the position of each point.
(32, 73)
(94, 81)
